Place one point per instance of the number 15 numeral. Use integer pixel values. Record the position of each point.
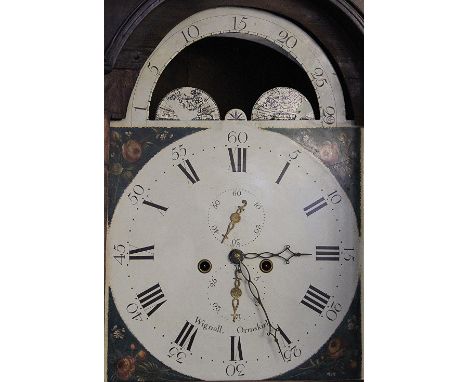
(239, 23)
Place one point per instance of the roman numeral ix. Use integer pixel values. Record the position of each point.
(236, 350)
(241, 160)
(184, 336)
(192, 175)
(150, 299)
(315, 299)
(327, 253)
(136, 254)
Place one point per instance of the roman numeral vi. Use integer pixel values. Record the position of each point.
(236, 350)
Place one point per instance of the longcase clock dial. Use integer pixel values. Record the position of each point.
(173, 279)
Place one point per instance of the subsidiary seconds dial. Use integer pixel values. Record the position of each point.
(236, 217)
(229, 187)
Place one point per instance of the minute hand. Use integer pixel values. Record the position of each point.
(267, 255)
(272, 330)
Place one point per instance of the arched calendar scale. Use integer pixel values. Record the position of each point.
(250, 24)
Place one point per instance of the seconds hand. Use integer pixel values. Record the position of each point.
(234, 219)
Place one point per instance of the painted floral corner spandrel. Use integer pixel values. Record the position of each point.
(128, 360)
(129, 151)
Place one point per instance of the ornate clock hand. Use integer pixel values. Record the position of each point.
(234, 219)
(267, 255)
(237, 257)
(235, 294)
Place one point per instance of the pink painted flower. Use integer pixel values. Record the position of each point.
(141, 355)
(335, 348)
(131, 151)
(125, 368)
(329, 152)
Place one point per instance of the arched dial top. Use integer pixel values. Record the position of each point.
(247, 23)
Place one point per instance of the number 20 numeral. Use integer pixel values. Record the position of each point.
(285, 38)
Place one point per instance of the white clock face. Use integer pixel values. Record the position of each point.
(174, 219)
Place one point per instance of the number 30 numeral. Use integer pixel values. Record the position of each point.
(237, 370)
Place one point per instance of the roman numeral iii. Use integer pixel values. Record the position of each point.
(241, 160)
(190, 174)
(315, 299)
(185, 334)
(151, 299)
(315, 206)
(236, 349)
(327, 253)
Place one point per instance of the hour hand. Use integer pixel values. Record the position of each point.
(234, 219)
(288, 254)
(235, 294)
